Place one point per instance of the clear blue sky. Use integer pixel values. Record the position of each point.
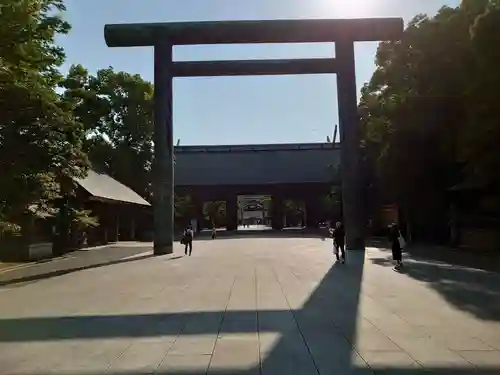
(235, 110)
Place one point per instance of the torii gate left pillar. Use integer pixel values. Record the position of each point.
(164, 36)
(163, 168)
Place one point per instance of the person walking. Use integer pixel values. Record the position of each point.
(397, 251)
(188, 240)
(214, 232)
(338, 235)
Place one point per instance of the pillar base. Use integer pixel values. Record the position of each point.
(163, 249)
(232, 213)
(277, 212)
(355, 245)
(312, 216)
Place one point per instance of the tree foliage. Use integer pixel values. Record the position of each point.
(116, 110)
(215, 212)
(429, 113)
(184, 207)
(40, 142)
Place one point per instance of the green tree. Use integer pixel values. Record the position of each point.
(184, 207)
(481, 136)
(116, 110)
(215, 212)
(295, 210)
(424, 112)
(332, 202)
(40, 143)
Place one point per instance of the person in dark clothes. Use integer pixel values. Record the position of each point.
(338, 235)
(188, 240)
(397, 251)
(214, 232)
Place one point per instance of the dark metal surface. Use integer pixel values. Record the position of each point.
(269, 31)
(254, 147)
(253, 67)
(352, 193)
(257, 165)
(163, 183)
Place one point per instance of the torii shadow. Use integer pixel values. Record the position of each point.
(319, 338)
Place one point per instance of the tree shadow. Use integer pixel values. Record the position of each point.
(486, 261)
(474, 291)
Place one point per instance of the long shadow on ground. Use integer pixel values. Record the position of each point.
(315, 339)
(471, 290)
(299, 350)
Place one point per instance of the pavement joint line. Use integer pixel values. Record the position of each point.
(412, 325)
(182, 330)
(296, 321)
(220, 324)
(257, 316)
(426, 334)
(338, 328)
(457, 352)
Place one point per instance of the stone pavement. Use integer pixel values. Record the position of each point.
(75, 261)
(254, 306)
(8, 265)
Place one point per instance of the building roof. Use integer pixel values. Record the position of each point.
(263, 164)
(101, 185)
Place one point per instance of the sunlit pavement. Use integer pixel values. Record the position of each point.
(253, 227)
(254, 306)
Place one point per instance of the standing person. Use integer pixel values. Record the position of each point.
(214, 232)
(188, 240)
(338, 235)
(397, 253)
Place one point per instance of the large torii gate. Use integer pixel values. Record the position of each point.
(344, 32)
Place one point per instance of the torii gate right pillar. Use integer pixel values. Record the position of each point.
(350, 137)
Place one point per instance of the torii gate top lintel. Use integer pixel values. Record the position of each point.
(246, 32)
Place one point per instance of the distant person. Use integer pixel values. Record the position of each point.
(338, 235)
(397, 247)
(188, 240)
(214, 232)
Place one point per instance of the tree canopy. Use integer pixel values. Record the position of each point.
(41, 144)
(116, 111)
(429, 113)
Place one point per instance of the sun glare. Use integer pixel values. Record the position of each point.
(345, 8)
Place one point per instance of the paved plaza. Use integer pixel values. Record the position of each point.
(252, 306)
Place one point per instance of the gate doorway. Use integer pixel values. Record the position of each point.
(254, 212)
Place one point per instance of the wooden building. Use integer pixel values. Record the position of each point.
(122, 214)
